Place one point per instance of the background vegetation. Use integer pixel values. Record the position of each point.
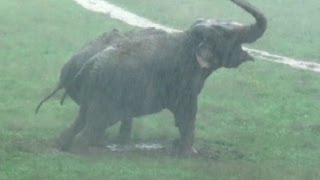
(260, 121)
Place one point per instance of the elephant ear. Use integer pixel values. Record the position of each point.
(204, 55)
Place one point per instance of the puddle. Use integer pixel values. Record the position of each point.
(135, 147)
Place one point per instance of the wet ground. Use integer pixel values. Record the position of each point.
(218, 151)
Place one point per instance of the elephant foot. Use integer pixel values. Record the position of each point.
(64, 141)
(99, 143)
(77, 148)
(124, 141)
(182, 149)
(80, 145)
(83, 148)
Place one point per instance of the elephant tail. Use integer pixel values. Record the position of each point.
(48, 97)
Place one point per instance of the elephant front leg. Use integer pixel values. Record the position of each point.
(186, 130)
(185, 116)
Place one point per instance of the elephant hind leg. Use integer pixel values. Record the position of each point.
(125, 130)
(65, 140)
(98, 117)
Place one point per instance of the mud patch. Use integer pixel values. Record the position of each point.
(218, 152)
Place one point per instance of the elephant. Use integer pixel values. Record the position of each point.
(151, 72)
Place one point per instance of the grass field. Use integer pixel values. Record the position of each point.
(260, 121)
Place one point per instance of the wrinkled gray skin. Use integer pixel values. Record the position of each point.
(146, 74)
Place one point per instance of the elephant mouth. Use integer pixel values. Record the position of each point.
(236, 59)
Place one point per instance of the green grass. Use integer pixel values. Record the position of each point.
(260, 121)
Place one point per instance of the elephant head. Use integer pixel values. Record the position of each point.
(221, 41)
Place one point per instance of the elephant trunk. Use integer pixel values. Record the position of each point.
(252, 32)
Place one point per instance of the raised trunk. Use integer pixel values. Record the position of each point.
(250, 33)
